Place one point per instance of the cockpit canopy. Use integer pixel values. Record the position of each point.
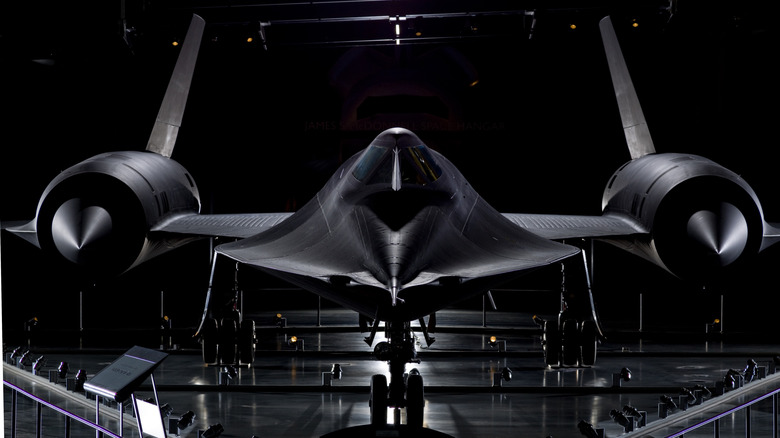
(395, 158)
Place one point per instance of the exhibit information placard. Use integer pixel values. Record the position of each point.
(120, 379)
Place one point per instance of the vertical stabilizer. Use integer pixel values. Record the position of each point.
(166, 128)
(634, 125)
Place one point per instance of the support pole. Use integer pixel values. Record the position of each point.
(484, 311)
(592, 262)
(38, 419)
(97, 415)
(774, 415)
(81, 311)
(641, 312)
(14, 401)
(137, 416)
(121, 410)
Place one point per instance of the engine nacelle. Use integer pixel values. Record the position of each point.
(98, 213)
(702, 217)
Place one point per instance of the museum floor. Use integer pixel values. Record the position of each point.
(282, 394)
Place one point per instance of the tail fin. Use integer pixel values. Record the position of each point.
(634, 125)
(166, 128)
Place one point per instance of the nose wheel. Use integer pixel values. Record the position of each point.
(377, 402)
(415, 400)
(405, 391)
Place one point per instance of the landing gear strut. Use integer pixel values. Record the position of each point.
(229, 340)
(570, 342)
(405, 390)
(572, 339)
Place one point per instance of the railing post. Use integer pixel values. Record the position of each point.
(774, 415)
(14, 399)
(38, 419)
(716, 423)
(97, 416)
(747, 421)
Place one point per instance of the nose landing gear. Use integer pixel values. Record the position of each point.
(405, 390)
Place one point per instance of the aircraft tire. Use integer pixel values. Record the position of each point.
(246, 342)
(571, 342)
(377, 402)
(227, 341)
(589, 343)
(208, 341)
(415, 401)
(552, 343)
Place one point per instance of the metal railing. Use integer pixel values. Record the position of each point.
(747, 406)
(39, 405)
(708, 413)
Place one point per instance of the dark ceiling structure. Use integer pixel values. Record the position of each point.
(37, 27)
(388, 22)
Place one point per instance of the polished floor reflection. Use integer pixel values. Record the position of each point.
(282, 394)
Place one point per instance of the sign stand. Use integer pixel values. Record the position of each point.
(121, 378)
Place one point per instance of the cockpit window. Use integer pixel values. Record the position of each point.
(415, 164)
(372, 159)
(423, 165)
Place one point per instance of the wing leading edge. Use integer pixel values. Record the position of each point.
(560, 227)
(238, 226)
(430, 247)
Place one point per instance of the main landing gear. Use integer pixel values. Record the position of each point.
(572, 339)
(569, 342)
(229, 340)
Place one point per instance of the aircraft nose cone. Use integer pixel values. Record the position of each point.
(722, 235)
(78, 231)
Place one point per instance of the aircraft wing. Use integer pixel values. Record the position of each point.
(314, 260)
(24, 229)
(558, 227)
(221, 225)
(243, 226)
(308, 245)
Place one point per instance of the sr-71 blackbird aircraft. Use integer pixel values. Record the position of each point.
(397, 233)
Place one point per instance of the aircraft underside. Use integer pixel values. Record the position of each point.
(569, 340)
